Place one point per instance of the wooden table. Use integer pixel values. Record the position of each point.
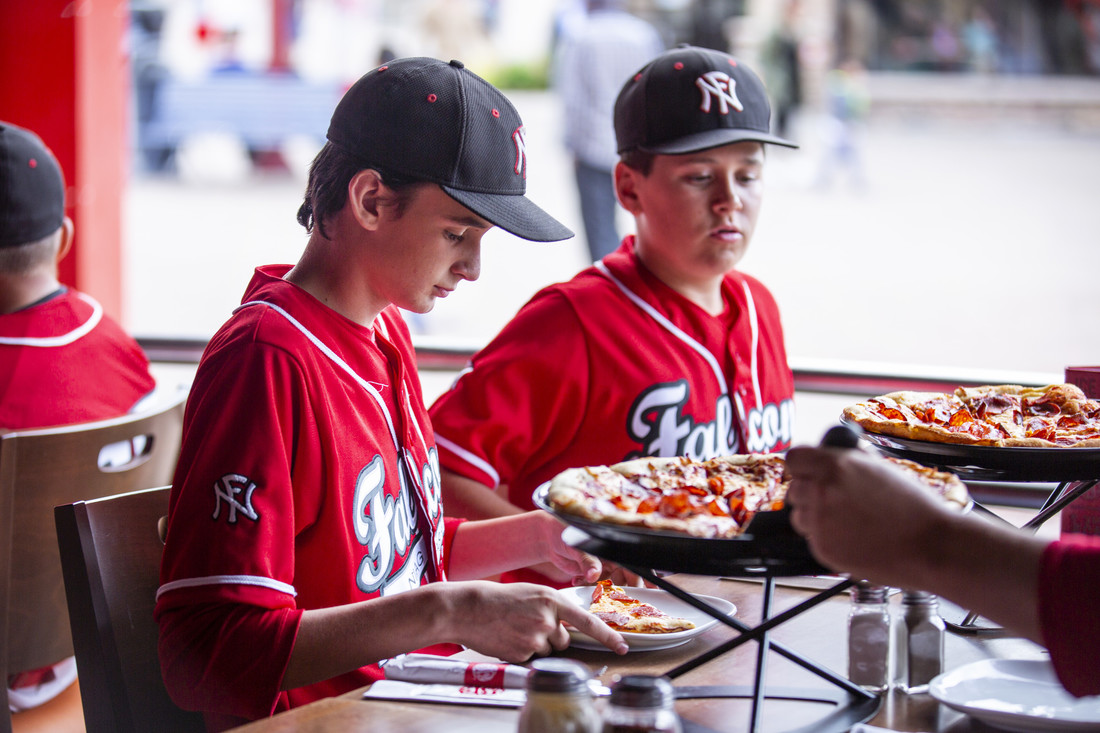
(819, 634)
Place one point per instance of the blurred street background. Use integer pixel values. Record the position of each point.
(946, 223)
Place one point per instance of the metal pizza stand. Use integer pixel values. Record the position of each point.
(768, 549)
(1074, 470)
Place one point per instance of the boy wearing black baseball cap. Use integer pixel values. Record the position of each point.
(49, 335)
(662, 348)
(306, 534)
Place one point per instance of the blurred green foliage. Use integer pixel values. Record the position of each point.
(530, 75)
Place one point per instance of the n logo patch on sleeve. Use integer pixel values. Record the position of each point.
(235, 491)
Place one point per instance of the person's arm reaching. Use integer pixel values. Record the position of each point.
(862, 516)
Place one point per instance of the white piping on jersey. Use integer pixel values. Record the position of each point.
(755, 328)
(65, 339)
(257, 580)
(324, 349)
(470, 458)
(668, 326)
(380, 326)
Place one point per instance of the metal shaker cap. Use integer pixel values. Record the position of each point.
(554, 674)
(642, 691)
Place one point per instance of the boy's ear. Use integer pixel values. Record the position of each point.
(66, 244)
(367, 195)
(626, 187)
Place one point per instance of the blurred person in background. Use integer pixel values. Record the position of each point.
(979, 35)
(848, 104)
(782, 68)
(50, 336)
(595, 52)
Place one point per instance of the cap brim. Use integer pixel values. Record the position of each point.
(713, 139)
(513, 213)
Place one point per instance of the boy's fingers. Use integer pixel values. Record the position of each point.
(583, 621)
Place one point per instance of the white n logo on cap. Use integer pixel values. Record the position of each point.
(718, 85)
(519, 137)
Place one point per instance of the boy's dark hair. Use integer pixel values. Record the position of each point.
(327, 188)
(639, 160)
(22, 258)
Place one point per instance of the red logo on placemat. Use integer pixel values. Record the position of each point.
(485, 675)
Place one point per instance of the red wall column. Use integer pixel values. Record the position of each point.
(65, 75)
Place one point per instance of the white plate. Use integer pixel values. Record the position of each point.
(1015, 695)
(663, 600)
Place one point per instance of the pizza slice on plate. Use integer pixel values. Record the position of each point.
(622, 612)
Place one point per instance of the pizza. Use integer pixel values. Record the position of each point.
(622, 612)
(709, 499)
(714, 498)
(1004, 415)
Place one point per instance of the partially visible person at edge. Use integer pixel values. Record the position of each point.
(49, 335)
(595, 53)
(306, 540)
(662, 348)
(1047, 591)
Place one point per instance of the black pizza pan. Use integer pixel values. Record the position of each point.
(990, 463)
(768, 547)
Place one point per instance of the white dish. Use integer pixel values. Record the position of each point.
(1015, 695)
(663, 600)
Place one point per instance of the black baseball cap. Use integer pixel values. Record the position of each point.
(690, 99)
(32, 189)
(430, 120)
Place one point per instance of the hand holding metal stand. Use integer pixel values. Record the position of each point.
(1078, 470)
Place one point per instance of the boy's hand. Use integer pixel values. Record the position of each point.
(515, 621)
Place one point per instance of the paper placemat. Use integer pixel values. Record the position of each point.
(454, 694)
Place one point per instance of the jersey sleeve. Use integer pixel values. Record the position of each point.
(524, 395)
(233, 519)
(1069, 597)
(208, 666)
(234, 512)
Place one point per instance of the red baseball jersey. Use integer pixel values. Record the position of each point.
(308, 478)
(45, 355)
(1069, 594)
(613, 365)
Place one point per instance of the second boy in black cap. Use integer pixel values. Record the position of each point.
(306, 534)
(662, 348)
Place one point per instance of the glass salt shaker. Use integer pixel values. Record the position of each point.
(559, 699)
(641, 704)
(920, 641)
(869, 637)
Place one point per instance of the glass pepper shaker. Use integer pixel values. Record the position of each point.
(641, 704)
(559, 699)
(869, 637)
(920, 643)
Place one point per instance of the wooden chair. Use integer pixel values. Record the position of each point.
(110, 552)
(40, 469)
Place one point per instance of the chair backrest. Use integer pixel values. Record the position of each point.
(110, 553)
(42, 468)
